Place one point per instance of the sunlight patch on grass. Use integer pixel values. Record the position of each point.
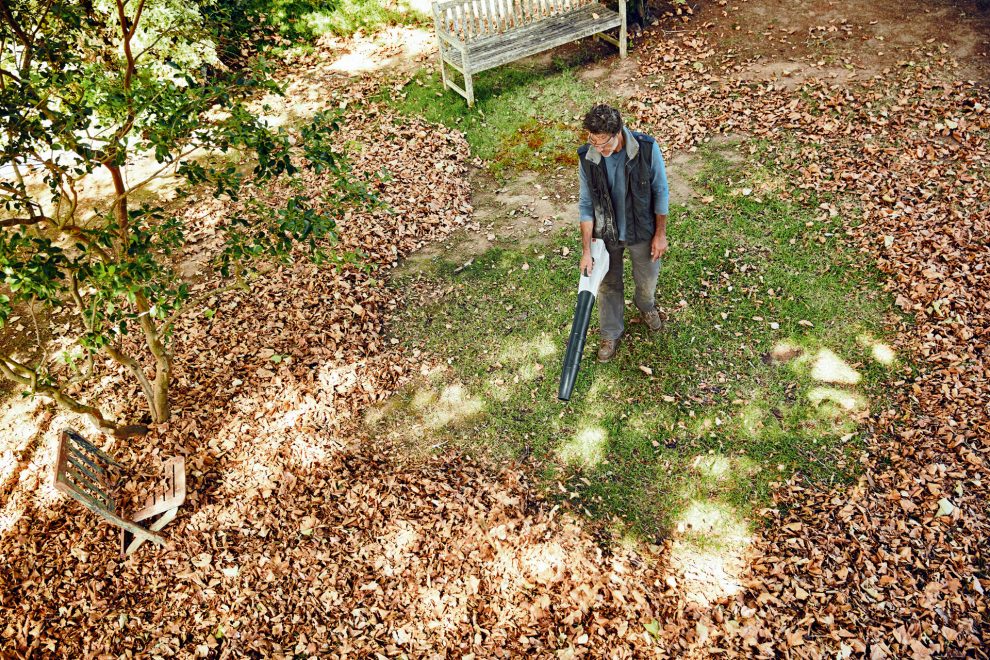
(879, 351)
(751, 419)
(422, 398)
(718, 468)
(883, 354)
(843, 398)
(538, 348)
(496, 389)
(529, 372)
(715, 466)
(453, 405)
(600, 388)
(708, 551)
(828, 367)
(586, 448)
(709, 423)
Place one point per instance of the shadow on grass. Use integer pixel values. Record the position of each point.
(767, 367)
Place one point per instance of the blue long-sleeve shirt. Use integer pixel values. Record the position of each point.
(617, 187)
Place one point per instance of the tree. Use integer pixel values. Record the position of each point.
(85, 86)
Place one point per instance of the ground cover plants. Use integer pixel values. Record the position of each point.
(524, 117)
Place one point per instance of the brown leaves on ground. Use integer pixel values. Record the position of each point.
(298, 535)
(885, 568)
(298, 539)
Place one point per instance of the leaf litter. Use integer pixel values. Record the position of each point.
(300, 537)
(895, 565)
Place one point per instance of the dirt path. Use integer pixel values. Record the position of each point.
(787, 42)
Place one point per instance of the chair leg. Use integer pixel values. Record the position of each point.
(469, 88)
(164, 519)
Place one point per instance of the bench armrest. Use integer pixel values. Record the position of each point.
(451, 39)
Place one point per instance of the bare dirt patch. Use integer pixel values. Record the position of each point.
(791, 41)
(524, 211)
(620, 77)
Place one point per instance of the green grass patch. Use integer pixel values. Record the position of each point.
(527, 115)
(769, 364)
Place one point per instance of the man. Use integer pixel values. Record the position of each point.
(623, 202)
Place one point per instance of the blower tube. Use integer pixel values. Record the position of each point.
(587, 293)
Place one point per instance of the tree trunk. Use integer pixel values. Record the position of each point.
(157, 394)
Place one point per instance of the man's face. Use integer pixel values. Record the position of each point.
(605, 143)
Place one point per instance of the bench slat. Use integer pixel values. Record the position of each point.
(476, 35)
(489, 17)
(534, 38)
(461, 23)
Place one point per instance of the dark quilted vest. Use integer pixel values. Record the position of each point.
(640, 217)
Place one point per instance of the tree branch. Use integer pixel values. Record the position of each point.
(41, 21)
(37, 333)
(126, 360)
(8, 18)
(24, 222)
(239, 285)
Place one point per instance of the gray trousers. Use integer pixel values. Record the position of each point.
(611, 298)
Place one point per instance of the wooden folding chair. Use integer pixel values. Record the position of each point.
(88, 475)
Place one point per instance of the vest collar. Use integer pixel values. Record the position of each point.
(594, 157)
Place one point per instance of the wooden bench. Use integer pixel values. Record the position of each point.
(86, 474)
(476, 35)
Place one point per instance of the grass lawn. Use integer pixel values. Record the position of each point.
(526, 114)
(772, 357)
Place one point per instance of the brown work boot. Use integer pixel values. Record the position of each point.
(653, 319)
(608, 349)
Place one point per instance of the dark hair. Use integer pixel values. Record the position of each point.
(603, 120)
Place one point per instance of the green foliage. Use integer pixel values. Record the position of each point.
(88, 87)
(248, 24)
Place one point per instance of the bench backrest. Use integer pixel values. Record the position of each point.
(469, 20)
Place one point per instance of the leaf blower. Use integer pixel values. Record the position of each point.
(587, 292)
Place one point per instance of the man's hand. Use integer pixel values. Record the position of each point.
(586, 263)
(658, 246)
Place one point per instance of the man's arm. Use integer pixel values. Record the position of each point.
(658, 246)
(586, 215)
(587, 229)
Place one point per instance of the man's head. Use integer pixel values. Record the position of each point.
(604, 125)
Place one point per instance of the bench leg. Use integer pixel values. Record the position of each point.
(443, 72)
(469, 88)
(622, 29)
